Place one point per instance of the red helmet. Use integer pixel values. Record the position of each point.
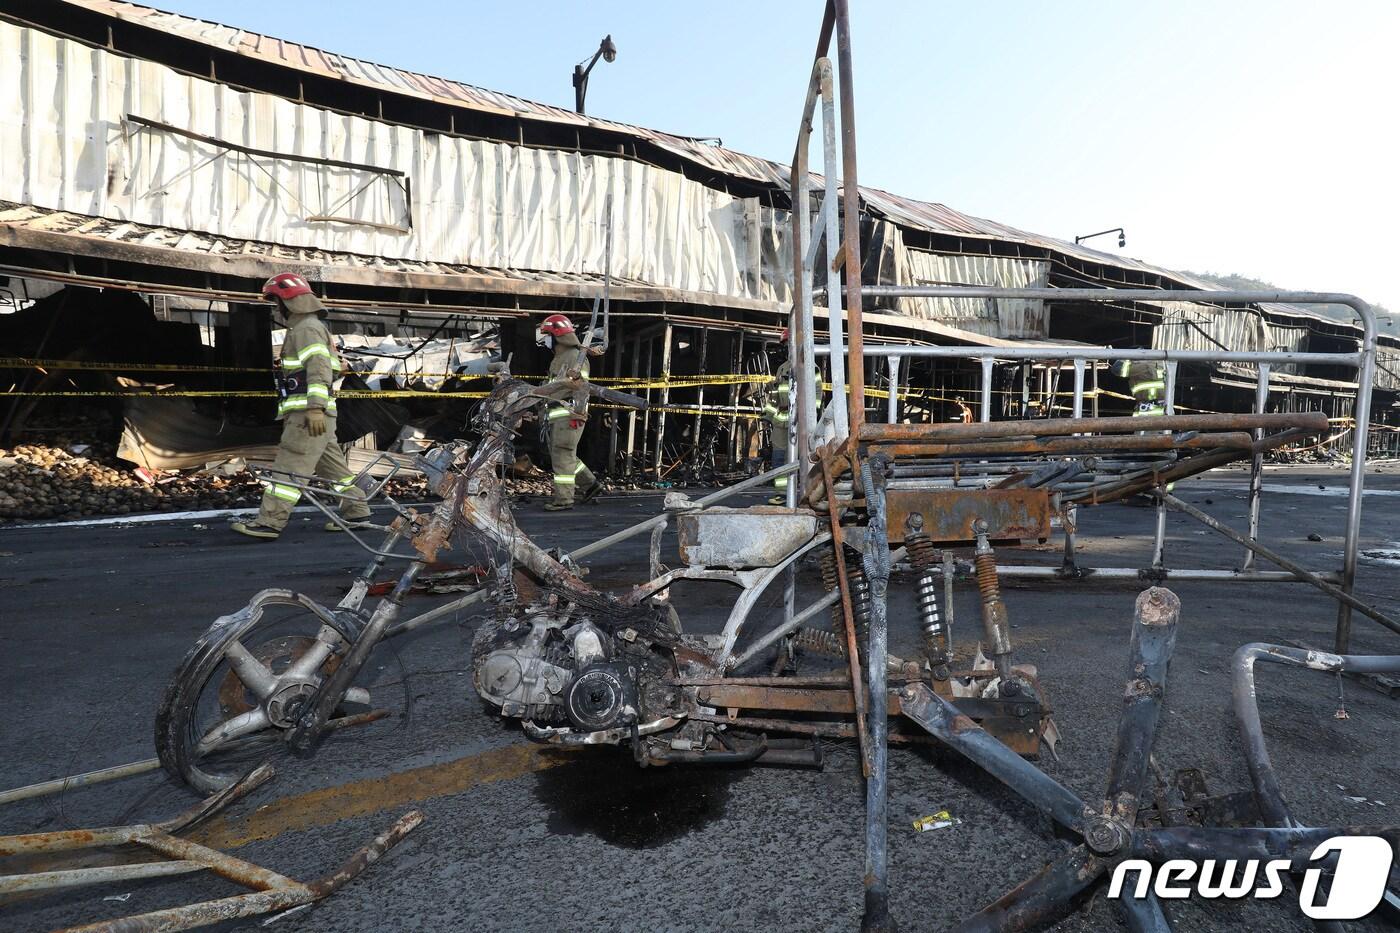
(556, 325)
(285, 285)
(784, 337)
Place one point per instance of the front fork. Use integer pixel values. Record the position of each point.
(322, 705)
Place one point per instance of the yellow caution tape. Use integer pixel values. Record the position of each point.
(19, 362)
(635, 382)
(244, 393)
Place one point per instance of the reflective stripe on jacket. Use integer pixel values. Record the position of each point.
(309, 367)
(1146, 378)
(565, 359)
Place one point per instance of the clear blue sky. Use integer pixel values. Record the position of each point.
(1060, 118)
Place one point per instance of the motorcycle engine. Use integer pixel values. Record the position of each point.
(551, 669)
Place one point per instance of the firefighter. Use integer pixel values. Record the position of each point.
(565, 420)
(1147, 382)
(777, 411)
(306, 407)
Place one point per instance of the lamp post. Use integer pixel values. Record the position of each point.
(607, 51)
(1122, 240)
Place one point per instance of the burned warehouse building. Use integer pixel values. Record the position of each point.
(164, 161)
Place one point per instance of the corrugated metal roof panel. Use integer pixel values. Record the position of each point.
(935, 218)
(924, 215)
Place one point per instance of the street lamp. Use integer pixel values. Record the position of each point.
(607, 51)
(1122, 240)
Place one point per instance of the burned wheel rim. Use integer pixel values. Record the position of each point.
(242, 686)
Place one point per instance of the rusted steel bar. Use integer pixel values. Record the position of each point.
(204, 913)
(1041, 897)
(838, 544)
(272, 899)
(1314, 421)
(943, 721)
(367, 855)
(215, 802)
(794, 699)
(220, 863)
(38, 881)
(833, 680)
(1190, 467)
(1071, 445)
(835, 730)
(1149, 654)
(273, 891)
(1301, 572)
(68, 839)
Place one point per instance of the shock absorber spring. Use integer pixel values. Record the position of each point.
(830, 581)
(995, 625)
(987, 583)
(860, 599)
(924, 558)
(819, 641)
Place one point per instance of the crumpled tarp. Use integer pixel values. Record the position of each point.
(169, 434)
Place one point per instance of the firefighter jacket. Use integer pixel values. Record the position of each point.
(307, 368)
(569, 358)
(779, 400)
(1147, 383)
(777, 403)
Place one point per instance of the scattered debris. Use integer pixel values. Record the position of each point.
(154, 477)
(47, 481)
(940, 820)
(444, 579)
(269, 891)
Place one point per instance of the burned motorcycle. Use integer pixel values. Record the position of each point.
(574, 664)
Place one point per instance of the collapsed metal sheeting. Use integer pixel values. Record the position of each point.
(170, 434)
(389, 362)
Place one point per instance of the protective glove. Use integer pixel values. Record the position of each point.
(315, 422)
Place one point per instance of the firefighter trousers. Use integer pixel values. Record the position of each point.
(569, 471)
(299, 452)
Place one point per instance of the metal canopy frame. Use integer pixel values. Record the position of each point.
(870, 468)
(1363, 360)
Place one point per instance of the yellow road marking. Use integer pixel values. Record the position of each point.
(373, 795)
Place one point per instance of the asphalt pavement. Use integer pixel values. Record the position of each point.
(94, 619)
